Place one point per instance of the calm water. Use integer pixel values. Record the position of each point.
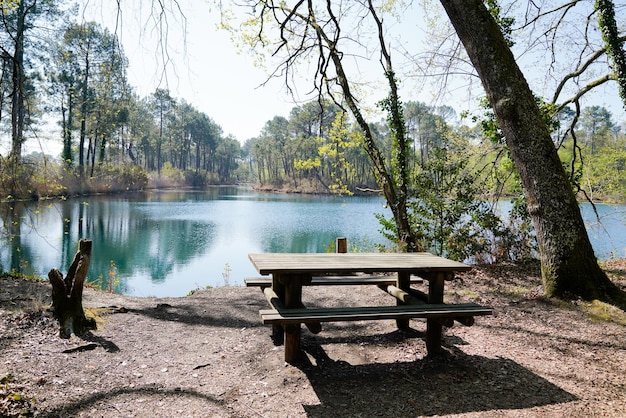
(168, 243)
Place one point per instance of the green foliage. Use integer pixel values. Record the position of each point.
(341, 140)
(196, 179)
(446, 206)
(317, 149)
(8, 5)
(171, 176)
(448, 187)
(89, 82)
(604, 172)
(487, 122)
(400, 145)
(515, 240)
(594, 156)
(505, 23)
(502, 176)
(613, 43)
(308, 164)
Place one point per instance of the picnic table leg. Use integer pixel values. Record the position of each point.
(434, 327)
(404, 283)
(293, 299)
(278, 333)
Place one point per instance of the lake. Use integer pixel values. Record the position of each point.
(168, 243)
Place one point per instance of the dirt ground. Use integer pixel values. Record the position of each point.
(208, 355)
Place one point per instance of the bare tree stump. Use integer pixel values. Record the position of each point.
(67, 294)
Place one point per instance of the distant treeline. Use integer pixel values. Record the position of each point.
(113, 140)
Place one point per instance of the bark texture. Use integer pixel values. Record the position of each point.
(568, 262)
(67, 294)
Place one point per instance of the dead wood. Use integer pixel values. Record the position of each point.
(67, 294)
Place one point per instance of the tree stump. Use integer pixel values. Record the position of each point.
(67, 294)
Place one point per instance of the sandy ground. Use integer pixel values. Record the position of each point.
(208, 355)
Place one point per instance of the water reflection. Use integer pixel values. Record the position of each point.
(168, 243)
(126, 240)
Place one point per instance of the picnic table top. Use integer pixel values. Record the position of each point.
(325, 263)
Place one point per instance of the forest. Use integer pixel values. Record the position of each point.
(66, 81)
(441, 170)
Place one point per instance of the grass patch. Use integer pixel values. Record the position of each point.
(197, 289)
(97, 314)
(605, 312)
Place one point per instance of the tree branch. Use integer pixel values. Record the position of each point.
(590, 86)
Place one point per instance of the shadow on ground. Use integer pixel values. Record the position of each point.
(452, 383)
(148, 394)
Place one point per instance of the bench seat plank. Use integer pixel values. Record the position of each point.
(335, 281)
(361, 313)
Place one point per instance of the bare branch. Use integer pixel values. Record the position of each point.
(577, 73)
(590, 86)
(539, 15)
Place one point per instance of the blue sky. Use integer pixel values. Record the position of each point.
(206, 70)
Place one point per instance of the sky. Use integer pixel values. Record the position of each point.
(207, 71)
(205, 68)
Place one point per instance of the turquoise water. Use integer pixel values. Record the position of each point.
(167, 243)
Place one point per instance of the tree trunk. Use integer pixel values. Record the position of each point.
(67, 294)
(568, 264)
(394, 192)
(83, 114)
(17, 102)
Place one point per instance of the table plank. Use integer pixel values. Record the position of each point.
(332, 263)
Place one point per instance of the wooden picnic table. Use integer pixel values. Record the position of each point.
(290, 272)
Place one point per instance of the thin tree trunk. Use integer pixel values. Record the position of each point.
(83, 111)
(17, 104)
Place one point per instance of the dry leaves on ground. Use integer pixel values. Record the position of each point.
(209, 355)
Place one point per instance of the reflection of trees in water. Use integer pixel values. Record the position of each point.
(15, 255)
(173, 242)
(299, 242)
(124, 240)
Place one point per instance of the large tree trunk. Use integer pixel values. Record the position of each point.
(67, 294)
(569, 266)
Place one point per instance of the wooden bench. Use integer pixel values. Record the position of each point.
(336, 281)
(367, 313)
(412, 304)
